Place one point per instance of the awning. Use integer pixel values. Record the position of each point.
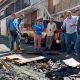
(27, 10)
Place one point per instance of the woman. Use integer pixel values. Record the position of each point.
(38, 27)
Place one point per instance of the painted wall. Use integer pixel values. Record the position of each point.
(3, 27)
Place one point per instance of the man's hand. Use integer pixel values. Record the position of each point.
(50, 29)
(73, 25)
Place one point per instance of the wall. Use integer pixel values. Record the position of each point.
(3, 27)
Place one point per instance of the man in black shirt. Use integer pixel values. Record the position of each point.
(77, 45)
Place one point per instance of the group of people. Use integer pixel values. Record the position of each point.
(70, 32)
(38, 29)
(69, 36)
(13, 26)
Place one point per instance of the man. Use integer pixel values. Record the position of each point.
(38, 27)
(62, 35)
(18, 22)
(50, 32)
(12, 32)
(77, 46)
(71, 30)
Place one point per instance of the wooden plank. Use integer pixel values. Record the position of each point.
(13, 57)
(19, 59)
(24, 60)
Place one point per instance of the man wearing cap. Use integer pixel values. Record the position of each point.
(71, 30)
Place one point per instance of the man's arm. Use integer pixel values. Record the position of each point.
(47, 28)
(55, 27)
(75, 22)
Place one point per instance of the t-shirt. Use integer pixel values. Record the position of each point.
(38, 29)
(50, 29)
(67, 22)
(11, 25)
(17, 22)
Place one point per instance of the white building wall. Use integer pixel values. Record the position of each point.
(3, 27)
(39, 4)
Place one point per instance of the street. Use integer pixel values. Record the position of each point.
(39, 39)
(41, 73)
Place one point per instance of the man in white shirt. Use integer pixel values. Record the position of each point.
(50, 32)
(71, 30)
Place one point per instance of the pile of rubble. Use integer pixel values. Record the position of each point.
(50, 65)
(7, 72)
(56, 70)
(53, 70)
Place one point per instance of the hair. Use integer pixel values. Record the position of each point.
(62, 16)
(21, 15)
(13, 14)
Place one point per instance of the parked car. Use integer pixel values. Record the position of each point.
(28, 34)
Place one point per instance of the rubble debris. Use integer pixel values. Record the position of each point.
(8, 72)
(19, 59)
(71, 62)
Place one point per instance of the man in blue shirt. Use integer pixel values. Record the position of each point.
(13, 32)
(71, 30)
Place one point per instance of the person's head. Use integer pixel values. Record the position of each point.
(62, 17)
(37, 22)
(68, 14)
(78, 12)
(13, 16)
(51, 20)
(21, 17)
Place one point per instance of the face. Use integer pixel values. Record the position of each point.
(51, 20)
(62, 19)
(37, 22)
(13, 16)
(68, 14)
(78, 13)
(21, 17)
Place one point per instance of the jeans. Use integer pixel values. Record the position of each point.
(12, 39)
(69, 39)
(63, 41)
(77, 46)
(37, 41)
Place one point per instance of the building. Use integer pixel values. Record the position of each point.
(35, 9)
(31, 9)
(61, 6)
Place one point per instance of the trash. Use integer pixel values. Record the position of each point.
(71, 62)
